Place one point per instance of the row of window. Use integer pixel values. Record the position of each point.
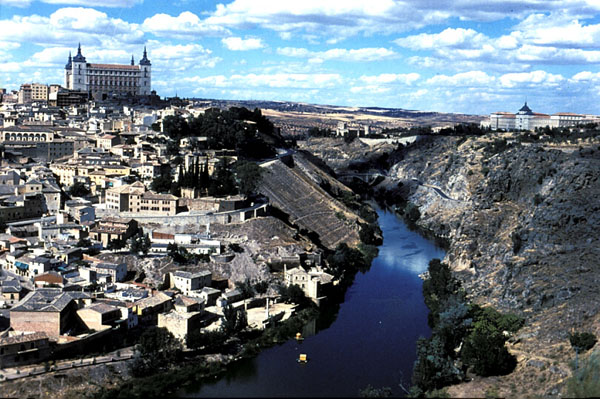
(111, 83)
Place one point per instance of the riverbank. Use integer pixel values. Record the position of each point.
(369, 339)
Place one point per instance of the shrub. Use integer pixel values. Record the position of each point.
(412, 212)
(582, 342)
(585, 383)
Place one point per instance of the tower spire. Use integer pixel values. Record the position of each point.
(132, 62)
(145, 60)
(79, 57)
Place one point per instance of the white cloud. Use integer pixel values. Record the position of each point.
(185, 25)
(534, 78)
(88, 3)
(464, 79)
(69, 25)
(336, 20)
(97, 3)
(239, 44)
(338, 54)
(180, 57)
(450, 37)
(387, 78)
(277, 80)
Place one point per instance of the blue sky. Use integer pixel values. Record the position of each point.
(461, 56)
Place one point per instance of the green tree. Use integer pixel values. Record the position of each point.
(248, 176)
(245, 288)
(584, 382)
(140, 242)
(261, 287)
(173, 147)
(157, 350)
(161, 183)
(116, 244)
(78, 189)
(438, 288)
(434, 368)
(176, 127)
(209, 340)
(484, 350)
(582, 342)
(294, 294)
(234, 320)
(223, 182)
(177, 253)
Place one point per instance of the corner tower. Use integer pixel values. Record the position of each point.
(78, 72)
(68, 72)
(145, 75)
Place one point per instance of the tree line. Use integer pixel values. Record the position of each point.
(250, 133)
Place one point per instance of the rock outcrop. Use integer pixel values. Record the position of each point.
(522, 224)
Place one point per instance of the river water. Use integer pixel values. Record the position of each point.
(369, 339)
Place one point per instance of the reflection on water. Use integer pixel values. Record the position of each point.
(368, 339)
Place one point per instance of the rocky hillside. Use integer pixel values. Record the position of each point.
(296, 188)
(522, 225)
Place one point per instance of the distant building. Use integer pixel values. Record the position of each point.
(526, 119)
(104, 79)
(134, 198)
(30, 92)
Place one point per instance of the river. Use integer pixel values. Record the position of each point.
(369, 339)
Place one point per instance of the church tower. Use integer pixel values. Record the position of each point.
(78, 72)
(146, 75)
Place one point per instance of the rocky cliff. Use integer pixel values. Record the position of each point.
(522, 225)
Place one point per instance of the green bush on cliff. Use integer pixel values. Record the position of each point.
(480, 332)
(412, 213)
(582, 342)
(585, 382)
(484, 350)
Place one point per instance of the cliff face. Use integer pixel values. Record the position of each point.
(296, 189)
(522, 223)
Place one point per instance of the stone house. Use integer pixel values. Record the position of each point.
(113, 228)
(24, 349)
(187, 317)
(11, 291)
(149, 308)
(313, 282)
(117, 271)
(188, 281)
(45, 310)
(99, 316)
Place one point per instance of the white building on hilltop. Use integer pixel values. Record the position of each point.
(526, 119)
(101, 79)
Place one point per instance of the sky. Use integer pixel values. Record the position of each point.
(460, 56)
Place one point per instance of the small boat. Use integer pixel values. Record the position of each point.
(299, 337)
(303, 358)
